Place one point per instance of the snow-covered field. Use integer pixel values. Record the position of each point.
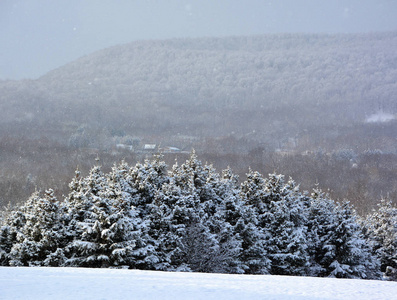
(79, 283)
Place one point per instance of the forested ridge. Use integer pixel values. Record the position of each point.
(318, 107)
(191, 218)
(207, 87)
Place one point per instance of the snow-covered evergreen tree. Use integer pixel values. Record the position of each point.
(201, 239)
(40, 233)
(254, 254)
(287, 224)
(9, 229)
(381, 230)
(144, 180)
(10, 223)
(171, 212)
(340, 248)
(352, 255)
(229, 212)
(82, 219)
(100, 222)
(133, 221)
(188, 239)
(193, 219)
(280, 211)
(320, 220)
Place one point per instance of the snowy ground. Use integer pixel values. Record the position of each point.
(79, 283)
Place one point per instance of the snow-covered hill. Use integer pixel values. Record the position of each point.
(79, 283)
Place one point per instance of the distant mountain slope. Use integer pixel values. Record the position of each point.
(270, 87)
(235, 99)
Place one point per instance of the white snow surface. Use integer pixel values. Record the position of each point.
(80, 283)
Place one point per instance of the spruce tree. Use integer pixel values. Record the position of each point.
(381, 230)
(11, 222)
(40, 234)
(320, 222)
(280, 215)
(347, 254)
(251, 227)
(130, 230)
(203, 241)
(105, 232)
(8, 235)
(286, 223)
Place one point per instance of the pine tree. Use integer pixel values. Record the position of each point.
(105, 232)
(280, 215)
(144, 180)
(381, 230)
(229, 211)
(184, 227)
(8, 234)
(88, 212)
(134, 245)
(320, 220)
(347, 253)
(197, 233)
(286, 223)
(40, 234)
(254, 255)
(11, 222)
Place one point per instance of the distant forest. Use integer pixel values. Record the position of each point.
(320, 108)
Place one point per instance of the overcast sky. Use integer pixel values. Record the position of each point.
(37, 36)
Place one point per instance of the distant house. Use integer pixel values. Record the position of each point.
(284, 152)
(124, 146)
(150, 147)
(307, 152)
(170, 150)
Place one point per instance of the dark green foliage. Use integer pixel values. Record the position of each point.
(380, 227)
(339, 249)
(348, 255)
(101, 233)
(35, 231)
(189, 218)
(281, 213)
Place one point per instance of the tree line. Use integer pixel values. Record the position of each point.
(191, 218)
(363, 178)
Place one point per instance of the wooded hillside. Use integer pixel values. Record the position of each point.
(292, 93)
(272, 87)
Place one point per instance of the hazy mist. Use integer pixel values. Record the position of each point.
(38, 36)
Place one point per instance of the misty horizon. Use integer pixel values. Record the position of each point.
(41, 36)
